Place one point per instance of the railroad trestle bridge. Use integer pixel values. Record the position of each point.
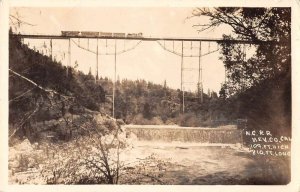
(167, 43)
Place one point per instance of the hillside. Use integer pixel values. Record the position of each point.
(40, 91)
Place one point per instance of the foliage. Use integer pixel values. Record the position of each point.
(95, 159)
(259, 75)
(270, 31)
(141, 102)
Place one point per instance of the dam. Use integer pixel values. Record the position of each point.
(167, 133)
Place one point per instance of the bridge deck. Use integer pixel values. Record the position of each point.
(218, 40)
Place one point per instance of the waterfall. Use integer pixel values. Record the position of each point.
(225, 134)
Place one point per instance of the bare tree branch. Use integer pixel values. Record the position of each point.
(19, 21)
(40, 87)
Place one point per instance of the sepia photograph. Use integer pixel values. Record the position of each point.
(149, 95)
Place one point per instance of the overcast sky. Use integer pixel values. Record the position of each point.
(148, 60)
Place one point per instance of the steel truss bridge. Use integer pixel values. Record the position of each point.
(169, 46)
